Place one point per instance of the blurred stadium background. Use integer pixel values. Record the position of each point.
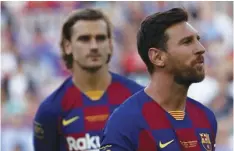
(31, 67)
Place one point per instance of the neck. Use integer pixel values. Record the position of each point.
(168, 94)
(89, 81)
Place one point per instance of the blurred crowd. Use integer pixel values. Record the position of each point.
(31, 65)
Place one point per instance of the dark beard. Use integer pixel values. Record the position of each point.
(187, 78)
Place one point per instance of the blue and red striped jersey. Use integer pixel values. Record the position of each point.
(68, 120)
(141, 124)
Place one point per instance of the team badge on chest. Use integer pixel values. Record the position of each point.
(205, 140)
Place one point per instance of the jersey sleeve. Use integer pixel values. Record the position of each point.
(215, 126)
(45, 128)
(118, 134)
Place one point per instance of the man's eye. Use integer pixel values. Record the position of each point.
(84, 38)
(101, 38)
(187, 41)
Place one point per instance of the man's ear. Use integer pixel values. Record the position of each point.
(157, 57)
(67, 47)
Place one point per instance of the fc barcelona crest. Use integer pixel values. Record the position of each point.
(205, 140)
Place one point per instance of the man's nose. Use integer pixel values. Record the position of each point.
(93, 44)
(200, 49)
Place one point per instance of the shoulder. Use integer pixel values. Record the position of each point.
(51, 105)
(123, 127)
(123, 123)
(129, 112)
(199, 108)
(202, 107)
(130, 84)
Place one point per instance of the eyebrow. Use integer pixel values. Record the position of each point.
(89, 35)
(187, 38)
(85, 35)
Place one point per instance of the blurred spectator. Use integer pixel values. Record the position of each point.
(18, 83)
(18, 147)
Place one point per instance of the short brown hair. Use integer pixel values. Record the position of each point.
(66, 33)
(152, 32)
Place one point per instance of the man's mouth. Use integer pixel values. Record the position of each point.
(94, 56)
(200, 60)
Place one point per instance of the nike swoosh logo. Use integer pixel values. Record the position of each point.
(161, 145)
(67, 122)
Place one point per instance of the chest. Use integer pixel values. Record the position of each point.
(177, 140)
(83, 120)
(163, 132)
(81, 128)
(81, 114)
(177, 136)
